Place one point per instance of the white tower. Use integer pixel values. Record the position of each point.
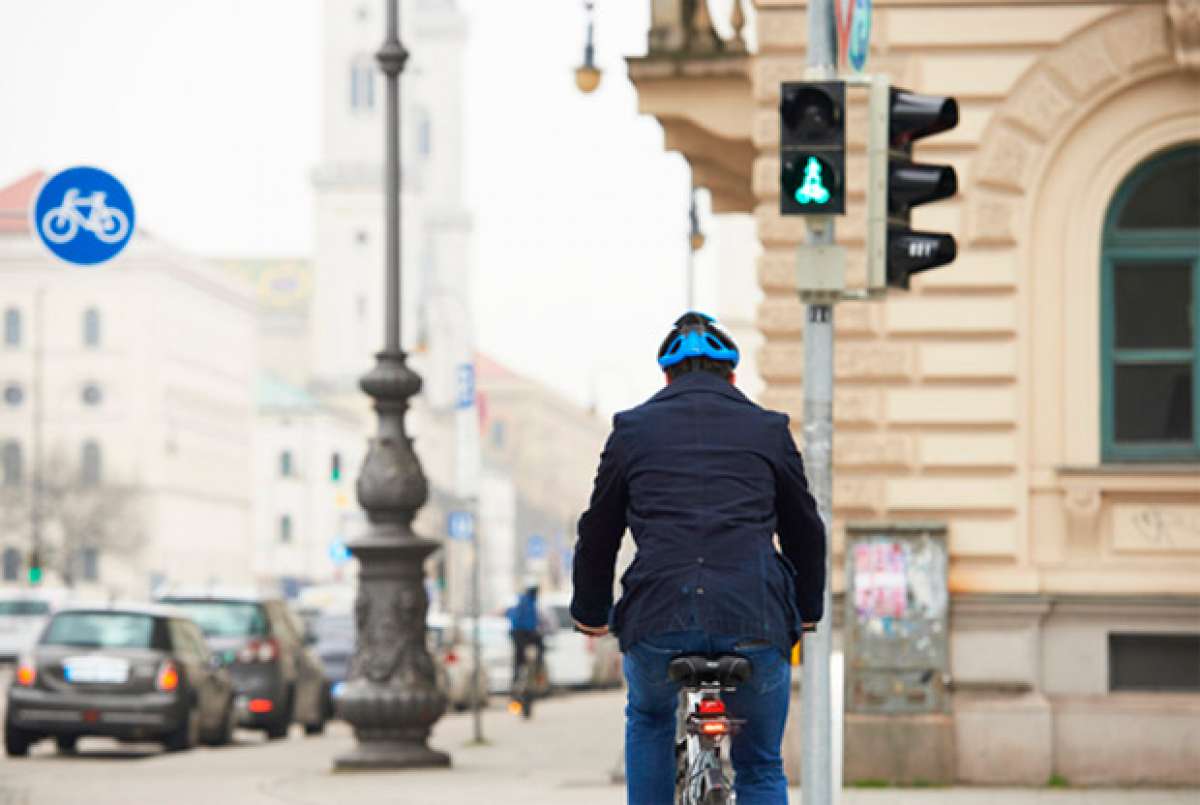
(347, 306)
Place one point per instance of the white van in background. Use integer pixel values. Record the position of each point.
(23, 614)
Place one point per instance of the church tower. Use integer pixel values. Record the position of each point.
(347, 302)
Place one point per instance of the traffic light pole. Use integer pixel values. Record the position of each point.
(817, 762)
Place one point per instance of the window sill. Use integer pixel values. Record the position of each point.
(1131, 468)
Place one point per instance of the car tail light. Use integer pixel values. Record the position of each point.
(259, 651)
(168, 677)
(715, 727)
(260, 706)
(26, 674)
(711, 707)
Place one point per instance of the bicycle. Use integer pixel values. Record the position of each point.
(531, 679)
(62, 223)
(703, 725)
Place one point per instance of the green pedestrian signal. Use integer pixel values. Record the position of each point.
(813, 191)
(812, 148)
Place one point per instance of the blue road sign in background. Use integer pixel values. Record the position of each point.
(338, 552)
(466, 385)
(83, 215)
(461, 526)
(535, 548)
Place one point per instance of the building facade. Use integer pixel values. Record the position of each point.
(1038, 396)
(132, 381)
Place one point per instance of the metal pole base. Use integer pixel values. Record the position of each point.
(392, 756)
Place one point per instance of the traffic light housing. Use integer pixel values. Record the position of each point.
(812, 148)
(897, 184)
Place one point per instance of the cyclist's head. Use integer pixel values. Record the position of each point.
(696, 343)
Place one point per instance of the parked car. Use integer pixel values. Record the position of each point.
(451, 646)
(278, 677)
(332, 638)
(573, 659)
(131, 672)
(22, 616)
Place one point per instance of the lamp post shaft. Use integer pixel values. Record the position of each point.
(392, 51)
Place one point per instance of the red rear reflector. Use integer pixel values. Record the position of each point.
(91, 716)
(26, 675)
(710, 706)
(714, 727)
(261, 705)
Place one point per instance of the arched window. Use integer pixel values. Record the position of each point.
(285, 464)
(12, 564)
(12, 327)
(91, 327)
(10, 457)
(362, 83)
(1150, 315)
(90, 464)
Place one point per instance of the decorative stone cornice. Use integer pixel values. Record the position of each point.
(1185, 32)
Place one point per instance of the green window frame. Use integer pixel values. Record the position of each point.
(1149, 245)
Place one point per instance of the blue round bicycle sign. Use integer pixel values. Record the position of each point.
(83, 216)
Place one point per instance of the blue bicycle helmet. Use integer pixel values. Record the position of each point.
(696, 335)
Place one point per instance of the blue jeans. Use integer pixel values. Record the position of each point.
(650, 718)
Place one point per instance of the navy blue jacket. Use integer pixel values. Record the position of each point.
(703, 478)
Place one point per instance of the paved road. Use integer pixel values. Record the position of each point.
(564, 755)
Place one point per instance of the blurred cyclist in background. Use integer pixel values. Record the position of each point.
(704, 479)
(525, 627)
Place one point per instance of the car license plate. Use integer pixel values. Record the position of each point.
(96, 669)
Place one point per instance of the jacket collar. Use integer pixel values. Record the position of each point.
(700, 381)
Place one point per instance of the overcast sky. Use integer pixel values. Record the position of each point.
(209, 111)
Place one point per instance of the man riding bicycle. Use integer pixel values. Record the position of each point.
(703, 478)
(525, 628)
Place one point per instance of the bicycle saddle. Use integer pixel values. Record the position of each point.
(726, 670)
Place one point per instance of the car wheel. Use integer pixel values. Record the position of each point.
(67, 744)
(185, 735)
(17, 741)
(278, 728)
(224, 733)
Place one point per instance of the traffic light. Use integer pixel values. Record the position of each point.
(335, 467)
(812, 148)
(897, 184)
(35, 566)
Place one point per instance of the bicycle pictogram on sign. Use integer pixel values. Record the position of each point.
(83, 215)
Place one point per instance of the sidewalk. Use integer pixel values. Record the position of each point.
(563, 756)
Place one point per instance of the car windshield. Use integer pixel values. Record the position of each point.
(100, 630)
(226, 618)
(24, 608)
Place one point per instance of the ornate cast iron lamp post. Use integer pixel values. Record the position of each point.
(391, 698)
